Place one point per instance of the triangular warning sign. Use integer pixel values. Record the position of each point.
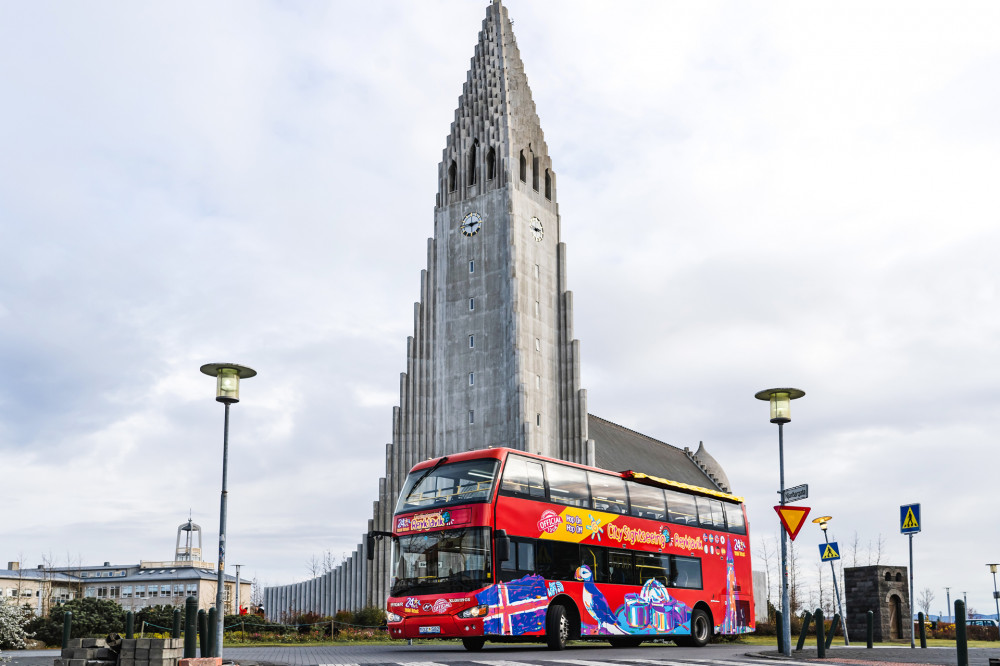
(792, 518)
(830, 553)
(910, 521)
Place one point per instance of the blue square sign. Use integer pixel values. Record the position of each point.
(909, 518)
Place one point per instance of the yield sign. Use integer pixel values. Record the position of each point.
(792, 518)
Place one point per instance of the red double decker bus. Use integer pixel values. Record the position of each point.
(502, 545)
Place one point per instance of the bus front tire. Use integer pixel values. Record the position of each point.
(701, 630)
(473, 644)
(556, 627)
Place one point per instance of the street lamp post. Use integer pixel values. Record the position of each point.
(823, 520)
(781, 399)
(996, 595)
(227, 391)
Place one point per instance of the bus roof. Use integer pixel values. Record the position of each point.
(500, 452)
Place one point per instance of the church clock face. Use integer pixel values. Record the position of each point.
(536, 228)
(472, 223)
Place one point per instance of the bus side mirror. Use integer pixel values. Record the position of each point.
(502, 545)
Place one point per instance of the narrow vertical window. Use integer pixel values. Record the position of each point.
(536, 270)
(452, 177)
(548, 185)
(472, 379)
(472, 162)
(538, 309)
(538, 381)
(524, 168)
(472, 304)
(491, 164)
(538, 420)
(472, 267)
(538, 345)
(472, 416)
(472, 341)
(534, 173)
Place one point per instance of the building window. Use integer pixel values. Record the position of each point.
(536, 271)
(102, 591)
(491, 164)
(472, 341)
(538, 309)
(548, 185)
(178, 590)
(472, 162)
(90, 592)
(534, 173)
(140, 591)
(524, 168)
(115, 591)
(192, 589)
(472, 267)
(153, 590)
(472, 416)
(452, 177)
(538, 345)
(472, 379)
(538, 420)
(126, 591)
(472, 304)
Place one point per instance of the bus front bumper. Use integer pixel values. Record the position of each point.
(436, 626)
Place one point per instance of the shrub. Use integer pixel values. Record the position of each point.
(91, 618)
(13, 620)
(369, 617)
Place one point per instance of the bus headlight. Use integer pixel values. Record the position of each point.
(392, 617)
(475, 611)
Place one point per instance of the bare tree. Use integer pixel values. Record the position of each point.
(855, 544)
(313, 566)
(768, 552)
(795, 596)
(925, 600)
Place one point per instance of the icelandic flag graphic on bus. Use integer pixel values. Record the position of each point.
(516, 607)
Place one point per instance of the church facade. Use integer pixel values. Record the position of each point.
(492, 360)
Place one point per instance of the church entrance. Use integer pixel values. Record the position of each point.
(895, 618)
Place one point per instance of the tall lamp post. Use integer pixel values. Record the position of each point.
(227, 391)
(996, 595)
(781, 413)
(823, 520)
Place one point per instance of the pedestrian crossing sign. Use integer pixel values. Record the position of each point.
(828, 552)
(909, 518)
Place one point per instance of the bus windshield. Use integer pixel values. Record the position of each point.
(441, 562)
(444, 484)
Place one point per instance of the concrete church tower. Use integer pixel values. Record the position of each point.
(492, 360)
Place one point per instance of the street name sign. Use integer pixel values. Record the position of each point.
(792, 518)
(909, 518)
(797, 493)
(828, 552)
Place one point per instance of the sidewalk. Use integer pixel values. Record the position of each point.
(941, 656)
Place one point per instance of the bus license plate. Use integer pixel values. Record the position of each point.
(430, 630)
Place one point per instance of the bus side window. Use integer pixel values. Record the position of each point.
(734, 518)
(653, 565)
(523, 477)
(557, 560)
(621, 569)
(681, 508)
(521, 562)
(596, 559)
(710, 513)
(646, 502)
(567, 485)
(608, 493)
(687, 572)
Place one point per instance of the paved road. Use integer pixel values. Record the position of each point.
(597, 654)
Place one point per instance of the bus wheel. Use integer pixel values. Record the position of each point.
(701, 628)
(625, 641)
(473, 644)
(556, 627)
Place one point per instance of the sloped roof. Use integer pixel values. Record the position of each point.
(617, 448)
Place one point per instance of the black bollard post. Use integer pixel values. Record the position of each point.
(820, 643)
(175, 632)
(923, 629)
(129, 625)
(203, 632)
(871, 628)
(67, 628)
(833, 630)
(190, 628)
(213, 622)
(806, 619)
(961, 639)
(777, 625)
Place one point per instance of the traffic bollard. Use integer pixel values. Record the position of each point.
(67, 628)
(806, 619)
(961, 638)
(871, 628)
(833, 630)
(191, 628)
(781, 633)
(820, 643)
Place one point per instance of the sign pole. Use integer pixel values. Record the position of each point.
(912, 642)
(840, 608)
(786, 616)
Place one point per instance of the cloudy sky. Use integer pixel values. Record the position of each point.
(753, 195)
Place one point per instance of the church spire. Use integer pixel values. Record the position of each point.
(496, 137)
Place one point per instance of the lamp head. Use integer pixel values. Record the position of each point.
(822, 521)
(228, 376)
(780, 399)
(993, 567)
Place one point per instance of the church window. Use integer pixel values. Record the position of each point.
(534, 173)
(472, 163)
(491, 164)
(538, 420)
(472, 266)
(548, 185)
(899, 577)
(472, 379)
(472, 416)
(888, 576)
(472, 341)
(538, 308)
(536, 270)
(472, 304)
(538, 345)
(453, 177)
(524, 168)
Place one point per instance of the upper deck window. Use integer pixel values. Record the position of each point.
(568, 485)
(523, 477)
(734, 518)
(647, 502)
(710, 514)
(449, 483)
(608, 493)
(681, 508)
